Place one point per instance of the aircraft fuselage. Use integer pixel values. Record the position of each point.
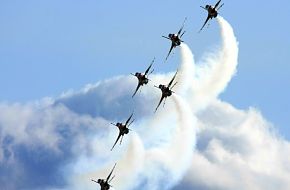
(123, 128)
(211, 11)
(142, 79)
(104, 184)
(175, 39)
(165, 91)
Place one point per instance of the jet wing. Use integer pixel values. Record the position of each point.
(172, 46)
(166, 37)
(203, 8)
(117, 140)
(94, 181)
(170, 83)
(109, 176)
(139, 84)
(161, 99)
(128, 119)
(208, 17)
(180, 30)
(148, 69)
(217, 4)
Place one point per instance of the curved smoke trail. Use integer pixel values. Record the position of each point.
(166, 164)
(217, 68)
(185, 71)
(184, 81)
(129, 165)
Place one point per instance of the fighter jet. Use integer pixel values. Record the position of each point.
(142, 78)
(175, 39)
(212, 12)
(166, 90)
(105, 183)
(123, 129)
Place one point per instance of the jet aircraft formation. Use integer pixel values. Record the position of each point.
(166, 90)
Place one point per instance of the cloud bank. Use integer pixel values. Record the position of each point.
(195, 142)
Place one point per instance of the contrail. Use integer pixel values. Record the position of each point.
(184, 80)
(184, 139)
(166, 165)
(217, 69)
(185, 70)
(129, 165)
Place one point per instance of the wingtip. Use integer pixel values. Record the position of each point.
(156, 109)
(166, 59)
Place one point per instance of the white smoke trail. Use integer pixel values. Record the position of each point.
(184, 81)
(131, 164)
(185, 70)
(219, 68)
(128, 167)
(185, 73)
(184, 140)
(165, 165)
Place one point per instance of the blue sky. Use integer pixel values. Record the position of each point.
(47, 47)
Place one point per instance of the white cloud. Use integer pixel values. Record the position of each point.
(238, 150)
